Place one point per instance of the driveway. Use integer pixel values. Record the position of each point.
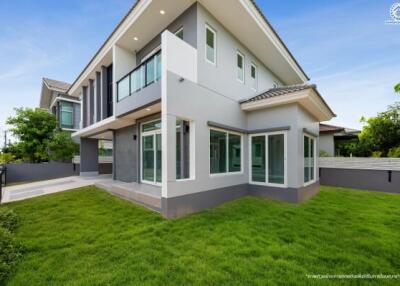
(31, 190)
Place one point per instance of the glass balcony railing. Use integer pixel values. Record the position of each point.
(142, 76)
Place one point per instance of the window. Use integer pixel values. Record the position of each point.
(211, 51)
(225, 152)
(179, 33)
(66, 114)
(151, 152)
(254, 76)
(182, 149)
(268, 159)
(240, 67)
(309, 159)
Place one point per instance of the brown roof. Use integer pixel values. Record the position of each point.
(56, 84)
(326, 128)
(282, 90)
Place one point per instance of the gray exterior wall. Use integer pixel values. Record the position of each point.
(374, 180)
(222, 78)
(89, 152)
(126, 154)
(327, 143)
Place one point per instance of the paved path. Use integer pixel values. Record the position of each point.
(31, 190)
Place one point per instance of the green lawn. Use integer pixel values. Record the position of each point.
(88, 237)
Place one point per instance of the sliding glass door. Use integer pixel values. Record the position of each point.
(268, 159)
(151, 152)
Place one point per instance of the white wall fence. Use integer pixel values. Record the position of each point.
(385, 164)
(102, 159)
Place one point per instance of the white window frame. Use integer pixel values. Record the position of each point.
(254, 84)
(147, 133)
(178, 31)
(285, 172)
(207, 27)
(238, 53)
(227, 132)
(315, 160)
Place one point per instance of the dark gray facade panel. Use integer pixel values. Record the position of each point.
(89, 155)
(183, 205)
(373, 180)
(104, 92)
(187, 20)
(85, 106)
(97, 115)
(91, 102)
(274, 193)
(126, 154)
(140, 99)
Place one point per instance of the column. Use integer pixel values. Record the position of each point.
(89, 165)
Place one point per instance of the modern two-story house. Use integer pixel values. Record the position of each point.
(66, 108)
(204, 104)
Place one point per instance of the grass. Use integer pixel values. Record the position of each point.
(88, 237)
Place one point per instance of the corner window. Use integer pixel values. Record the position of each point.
(66, 114)
(268, 159)
(254, 76)
(179, 33)
(309, 159)
(211, 51)
(225, 152)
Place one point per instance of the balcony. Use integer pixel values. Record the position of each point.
(144, 75)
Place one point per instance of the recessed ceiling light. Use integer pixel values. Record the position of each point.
(162, 12)
(148, 109)
(136, 38)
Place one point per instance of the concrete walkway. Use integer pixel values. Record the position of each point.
(31, 190)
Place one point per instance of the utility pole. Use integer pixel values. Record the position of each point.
(5, 139)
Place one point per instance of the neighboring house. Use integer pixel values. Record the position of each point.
(65, 107)
(202, 108)
(331, 138)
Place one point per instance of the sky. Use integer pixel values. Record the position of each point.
(345, 47)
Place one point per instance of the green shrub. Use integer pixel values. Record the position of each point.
(394, 152)
(323, 153)
(10, 253)
(8, 219)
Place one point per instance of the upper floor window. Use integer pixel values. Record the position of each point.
(254, 76)
(240, 67)
(179, 33)
(211, 47)
(66, 114)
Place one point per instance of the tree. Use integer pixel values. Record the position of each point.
(33, 128)
(61, 147)
(381, 133)
(6, 158)
(397, 88)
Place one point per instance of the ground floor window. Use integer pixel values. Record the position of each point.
(268, 158)
(151, 152)
(309, 159)
(225, 152)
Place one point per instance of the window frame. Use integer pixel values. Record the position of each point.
(71, 112)
(207, 27)
(254, 84)
(238, 53)
(285, 154)
(314, 139)
(227, 132)
(153, 133)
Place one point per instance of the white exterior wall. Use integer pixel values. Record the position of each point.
(222, 77)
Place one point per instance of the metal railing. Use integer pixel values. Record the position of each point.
(142, 76)
(3, 180)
